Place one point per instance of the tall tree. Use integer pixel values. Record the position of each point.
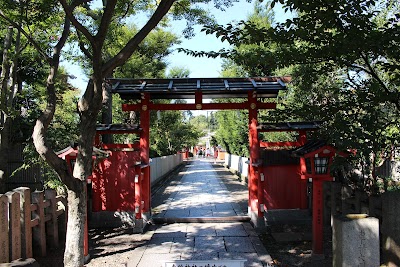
(344, 60)
(92, 24)
(21, 63)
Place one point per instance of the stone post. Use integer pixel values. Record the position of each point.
(391, 228)
(26, 229)
(355, 241)
(52, 224)
(39, 230)
(4, 245)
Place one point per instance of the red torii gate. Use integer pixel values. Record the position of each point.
(256, 90)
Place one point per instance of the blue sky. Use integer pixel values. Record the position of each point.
(207, 67)
(199, 67)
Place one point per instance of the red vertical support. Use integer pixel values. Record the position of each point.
(138, 193)
(302, 138)
(317, 226)
(303, 181)
(255, 189)
(144, 152)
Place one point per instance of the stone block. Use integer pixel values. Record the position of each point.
(355, 241)
(391, 228)
(30, 262)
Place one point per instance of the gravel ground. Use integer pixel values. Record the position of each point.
(113, 247)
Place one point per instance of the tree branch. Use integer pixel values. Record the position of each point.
(69, 12)
(30, 39)
(379, 80)
(127, 51)
(105, 21)
(82, 46)
(43, 122)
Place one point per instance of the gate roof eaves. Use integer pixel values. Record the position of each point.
(185, 88)
(289, 126)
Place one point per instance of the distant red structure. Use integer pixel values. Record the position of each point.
(282, 174)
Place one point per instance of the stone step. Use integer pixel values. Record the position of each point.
(161, 220)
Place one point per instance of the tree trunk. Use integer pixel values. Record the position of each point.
(89, 107)
(106, 115)
(5, 119)
(75, 226)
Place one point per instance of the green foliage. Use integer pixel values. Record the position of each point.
(169, 133)
(168, 130)
(200, 123)
(344, 61)
(178, 72)
(149, 60)
(232, 132)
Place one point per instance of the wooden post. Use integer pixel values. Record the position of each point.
(4, 244)
(39, 229)
(52, 224)
(317, 226)
(14, 225)
(25, 217)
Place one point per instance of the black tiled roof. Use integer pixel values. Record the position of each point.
(309, 147)
(117, 128)
(185, 88)
(289, 126)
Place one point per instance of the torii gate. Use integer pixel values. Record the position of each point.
(258, 91)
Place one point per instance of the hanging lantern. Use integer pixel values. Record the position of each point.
(321, 164)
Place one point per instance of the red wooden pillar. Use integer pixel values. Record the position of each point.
(254, 183)
(138, 193)
(317, 226)
(144, 153)
(302, 139)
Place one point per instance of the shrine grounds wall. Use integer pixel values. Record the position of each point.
(340, 200)
(238, 165)
(161, 166)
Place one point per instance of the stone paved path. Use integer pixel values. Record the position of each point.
(199, 194)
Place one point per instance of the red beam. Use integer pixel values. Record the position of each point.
(204, 106)
(280, 144)
(118, 132)
(113, 146)
(266, 105)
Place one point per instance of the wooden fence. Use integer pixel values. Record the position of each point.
(30, 220)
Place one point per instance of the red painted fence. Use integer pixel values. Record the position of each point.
(114, 182)
(283, 188)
